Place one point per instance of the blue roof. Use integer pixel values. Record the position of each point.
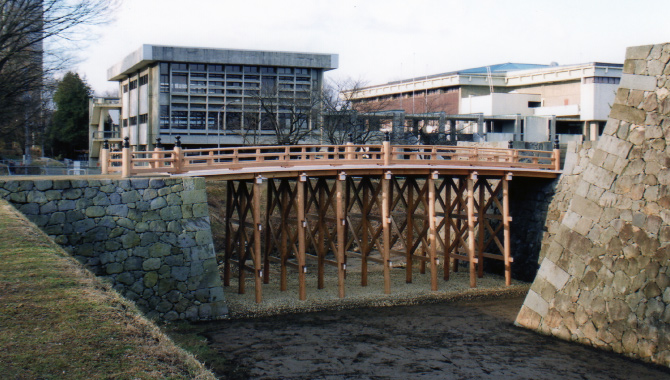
(499, 68)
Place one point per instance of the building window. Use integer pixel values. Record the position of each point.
(233, 69)
(251, 69)
(164, 68)
(125, 122)
(534, 104)
(133, 84)
(197, 67)
(215, 68)
(165, 83)
(268, 70)
(216, 91)
(285, 70)
(144, 118)
(180, 66)
(252, 77)
(197, 120)
(125, 88)
(604, 80)
(302, 71)
(180, 119)
(133, 120)
(179, 82)
(164, 116)
(144, 79)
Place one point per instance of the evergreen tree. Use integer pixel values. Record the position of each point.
(68, 135)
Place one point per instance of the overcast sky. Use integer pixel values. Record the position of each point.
(383, 40)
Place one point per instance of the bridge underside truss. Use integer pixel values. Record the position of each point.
(315, 222)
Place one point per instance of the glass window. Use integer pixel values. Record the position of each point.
(268, 70)
(302, 71)
(164, 116)
(197, 67)
(180, 119)
(285, 70)
(198, 75)
(290, 79)
(165, 68)
(180, 66)
(215, 68)
(233, 68)
(179, 82)
(165, 83)
(125, 88)
(144, 118)
(252, 77)
(233, 120)
(234, 84)
(198, 120)
(133, 120)
(234, 76)
(251, 69)
(233, 92)
(216, 91)
(216, 76)
(144, 79)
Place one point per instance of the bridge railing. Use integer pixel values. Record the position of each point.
(180, 160)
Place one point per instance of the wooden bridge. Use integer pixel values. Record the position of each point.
(380, 203)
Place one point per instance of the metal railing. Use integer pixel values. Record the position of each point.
(102, 135)
(180, 160)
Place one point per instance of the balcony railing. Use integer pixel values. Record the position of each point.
(109, 135)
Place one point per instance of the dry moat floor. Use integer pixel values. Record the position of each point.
(455, 333)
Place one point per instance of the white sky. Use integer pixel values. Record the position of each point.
(383, 40)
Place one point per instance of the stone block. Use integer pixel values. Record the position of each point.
(614, 146)
(150, 279)
(553, 274)
(599, 177)
(194, 196)
(629, 114)
(114, 268)
(536, 303)
(586, 208)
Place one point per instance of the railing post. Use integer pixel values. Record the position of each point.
(125, 158)
(557, 155)
(349, 151)
(177, 158)
(157, 155)
(104, 157)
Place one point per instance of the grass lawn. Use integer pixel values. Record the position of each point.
(58, 321)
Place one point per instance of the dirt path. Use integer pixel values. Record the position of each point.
(459, 340)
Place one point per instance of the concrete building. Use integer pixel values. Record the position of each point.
(572, 101)
(104, 124)
(211, 97)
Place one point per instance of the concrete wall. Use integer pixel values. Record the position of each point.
(604, 278)
(150, 238)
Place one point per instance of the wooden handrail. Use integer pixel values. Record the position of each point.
(184, 160)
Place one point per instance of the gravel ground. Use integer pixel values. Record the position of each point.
(278, 302)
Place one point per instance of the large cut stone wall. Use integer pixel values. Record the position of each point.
(604, 278)
(150, 237)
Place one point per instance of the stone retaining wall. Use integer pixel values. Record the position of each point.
(150, 237)
(604, 278)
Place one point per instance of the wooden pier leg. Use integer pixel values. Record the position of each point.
(228, 237)
(258, 272)
(321, 249)
(302, 224)
(242, 245)
(365, 244)
(471, 228)
(506, 232)
(268, 237)
(447, 229)
(409, 240)
(481, 220)
(284, 189)
(432, 238)
(386, 230)
(340, 220)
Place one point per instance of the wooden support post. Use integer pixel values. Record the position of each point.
(341, 221)
(386, 148)
(258, 272)
(386, 226)
(157, 155)
(447, 228)
(284, 189)
(104, 158)
(365, 244)
(126, 161)
(268, 236)
(556, 156)
(409, 240)
(432, 238)
(177, 158)
(302, 224)
(242, 244)
(321, 246)
(471, 228)
(481, 220)
(228, 236)
(506, 232)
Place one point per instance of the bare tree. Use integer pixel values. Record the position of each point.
(277, 117)
(345, 120)
(36, 41)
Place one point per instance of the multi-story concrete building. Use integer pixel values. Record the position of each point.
(570, 100)
(212, 97)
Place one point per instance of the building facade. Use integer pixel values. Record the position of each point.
(569, 101)
(211, 97)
